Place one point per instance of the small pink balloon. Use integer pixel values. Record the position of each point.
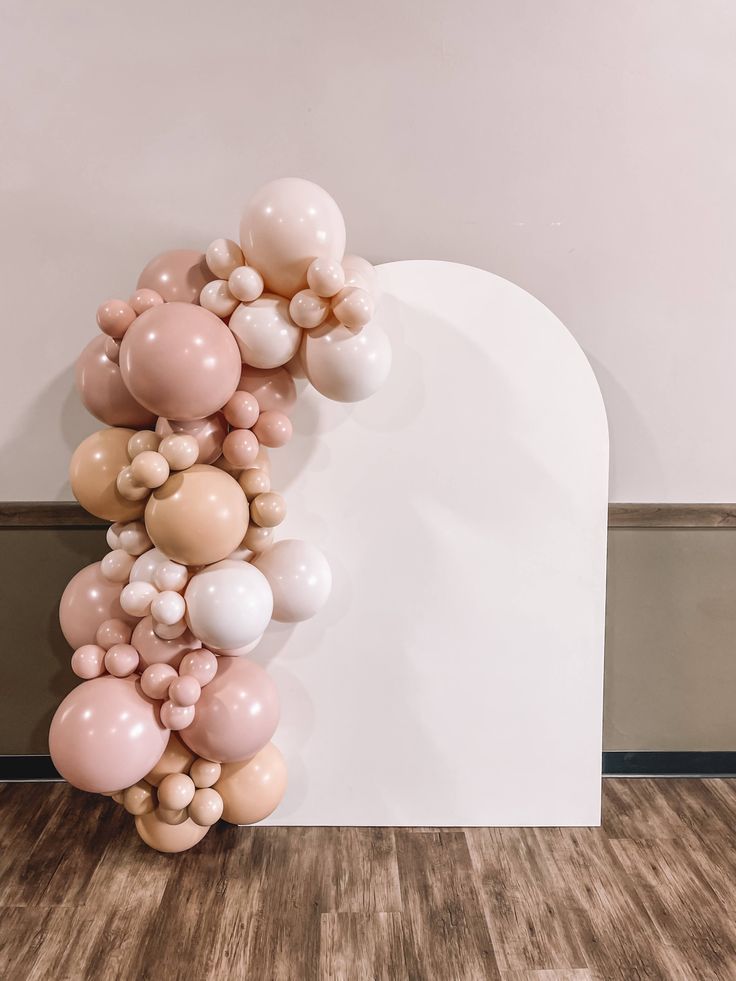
(121, 660)
(242, 410)
(177, 275)
(102, 389)
(176, 717)
(240, 448)
(155, 650)
(201, 665)
(273, 428)
(88, 600)
(111, 632)
(209, 433)
(274, 388)
(185, 690)
(106, 734)
(114, 317)
(156, 679)
(88, 661)
(144, 299)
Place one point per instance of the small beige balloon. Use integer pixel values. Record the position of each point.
(258, 539)
(128, 487)
(206, 807)
(268, 510)
(150, 469)
(223, 256)
(164, 837)
(139, 799)
(217, 298)
(254, 482)
(142, 441)
(245, 283)
(172, 816)
(205, 773)
(307, 309)
(179, 450)
(175, 791)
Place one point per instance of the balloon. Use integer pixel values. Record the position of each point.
(138, 799)
(121, 660)
(103, 390)
(285, 226)
(146, 565)
(299, 576)
(168, 607)
(209, 433)
(201, 665)
(266, 335)
(254, 482)
(179, 450)
(116, 565)
(198, 517)
(273, 388)
(245, 283)
(155, 650)
(307, 309)
(88, 661)
(343, 365)
(165, 837)
(223, 256)
(252, 789)
(205, 807)
(204, 773)
(185, 691)
(88, 600)
(228, 605)
(236, 715)
(176, 758)
(111, 632)
(268, 510)
(273, 428)
(353, 307)
(143, 299)
(242, 410)
(93, 473)
(150, 469)
(359, 272)
(170, 576)
(156, 679)
(325, 277)
(240, 448)
(217, 298)
(106, 735)
(114, 317)
(178, 275)
(176, 791)
(180, 361)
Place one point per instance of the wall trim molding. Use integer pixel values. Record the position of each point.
(69, 514)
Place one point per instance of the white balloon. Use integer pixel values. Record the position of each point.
(145, 566)
(299, 576)
(345, 365)
(266, 335)
(136, 598)
(168, 607)
(229, 604)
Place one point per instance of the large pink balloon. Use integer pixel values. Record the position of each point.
(103, 390)
(237, 712)
(209, 433)
(273, 388)
(285, 225)
(180, 361)
(178, 275)
(106, 735)
(88, 600)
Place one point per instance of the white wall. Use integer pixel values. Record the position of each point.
(583, 149)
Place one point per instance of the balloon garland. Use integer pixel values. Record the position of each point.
(194, 376)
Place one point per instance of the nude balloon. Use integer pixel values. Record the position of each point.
(168, 838)
(87, 602)
(106, 734)
(299, 576)
(346, 366)
(198, 517)
(273, 388)
(93, 473)
(287, 224)
(180, 361)
(265, 333)
(177, 276)
(236, 715)
(103, 391)
(229, 604)
(252, 789)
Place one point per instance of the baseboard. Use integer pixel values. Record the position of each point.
(616, 764)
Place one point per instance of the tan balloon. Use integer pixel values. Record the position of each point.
(176, 758)
(166, 837)
(176, 791)
(206, 807)
(258, 539)
(254, 482)
(138, 799)
(199, 516)
(204, 773)
(93, 474)
(252, 789)
(268, 510)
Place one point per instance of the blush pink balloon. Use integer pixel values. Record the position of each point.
(155, 650)
(209, 433)
(88, 600)
(273, 388)
(180, 361)
(178, 275)
(106, 735)
(236, 715)
(103, 391)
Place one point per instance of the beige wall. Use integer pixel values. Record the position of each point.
(581, 148)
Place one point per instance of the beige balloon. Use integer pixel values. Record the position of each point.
(268, 510)
(252, 789)
(254, 482)
(176, 758)
(93, 473)
(258, 539)
(138, 799)
(199, 516)
(206, 807)
(165, 837)
(204, 773)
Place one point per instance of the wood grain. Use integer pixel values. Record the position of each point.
(47, 514)
(651, 894)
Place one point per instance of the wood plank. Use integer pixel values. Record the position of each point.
(672, 515)
(47, 514)
(362, 947)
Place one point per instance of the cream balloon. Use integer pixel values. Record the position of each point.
(229, 604)
(266, 335)
(299, 576)
(343, 365)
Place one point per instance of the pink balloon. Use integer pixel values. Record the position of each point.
(237, 713)
(102, 389)
(155, 650)
(209, 433)
(180, 361)
(106, 735)
(273, 388)
(201, 665)
(178, 275)
(88, 600)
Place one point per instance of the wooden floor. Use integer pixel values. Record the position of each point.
(650, 895)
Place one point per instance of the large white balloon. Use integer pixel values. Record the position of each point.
(229, 604)
(266, 335)
(345, 365)
(299, 576)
